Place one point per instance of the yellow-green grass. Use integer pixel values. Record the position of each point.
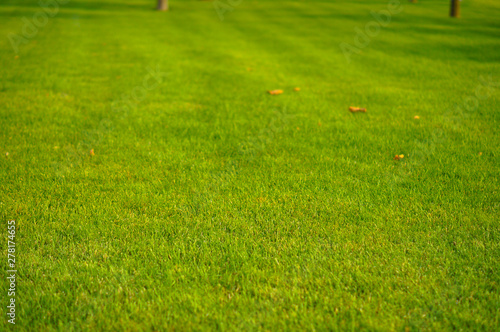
(210, 204)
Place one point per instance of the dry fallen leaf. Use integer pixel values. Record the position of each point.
(275, 92)
(296, 89)
(357, 109)
(92, 152)
(399, 157)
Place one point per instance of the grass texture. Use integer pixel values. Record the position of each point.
(210, 204)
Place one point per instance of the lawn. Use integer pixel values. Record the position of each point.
(156, 185)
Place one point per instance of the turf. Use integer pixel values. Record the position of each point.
(210, 204)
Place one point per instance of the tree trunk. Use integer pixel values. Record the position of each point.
(455, 8)
(162, 5)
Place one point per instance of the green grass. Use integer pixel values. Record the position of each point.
(213, 205)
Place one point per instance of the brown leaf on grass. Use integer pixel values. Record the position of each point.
(275, 92)
(357, 109)
(399, 157)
